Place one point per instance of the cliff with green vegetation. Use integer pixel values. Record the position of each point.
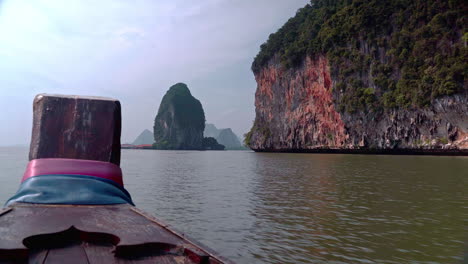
(180, 121)
(375, 75)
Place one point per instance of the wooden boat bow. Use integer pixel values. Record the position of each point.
(72, 206)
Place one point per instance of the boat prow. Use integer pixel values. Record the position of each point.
(72, 207)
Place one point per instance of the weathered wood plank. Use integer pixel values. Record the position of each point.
(76, 127)
(106, 234)
(28, 223)
(99, 253)
(5, 210)
(71, 254)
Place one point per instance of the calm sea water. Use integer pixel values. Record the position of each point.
(299, 208)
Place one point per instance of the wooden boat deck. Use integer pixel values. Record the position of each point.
(41, 226)
(34, 233)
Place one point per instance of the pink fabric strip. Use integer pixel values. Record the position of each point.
(94, 168)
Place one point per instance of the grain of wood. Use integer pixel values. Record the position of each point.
(76, 127)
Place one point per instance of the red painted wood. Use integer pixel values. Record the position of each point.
(76, 127)
(105, 170)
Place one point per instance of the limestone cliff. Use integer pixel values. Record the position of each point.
(377, 76)
(296, 111)
(180, 121)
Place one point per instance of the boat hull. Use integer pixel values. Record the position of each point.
(39, 233)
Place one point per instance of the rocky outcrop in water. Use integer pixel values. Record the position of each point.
(224, 136)
(376, 76)
(210, 143)
(180, 121)
(296, 111)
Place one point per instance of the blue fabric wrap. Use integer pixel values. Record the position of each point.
(70, 189)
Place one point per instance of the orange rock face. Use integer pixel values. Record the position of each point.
(300, 105)
(296, 110)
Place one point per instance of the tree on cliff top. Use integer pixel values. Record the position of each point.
(410, 51)
(180, 121)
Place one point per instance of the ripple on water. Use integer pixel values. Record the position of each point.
(299, 208)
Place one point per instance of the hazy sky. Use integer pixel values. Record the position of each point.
(133, 51)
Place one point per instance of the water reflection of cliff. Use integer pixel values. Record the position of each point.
(295, 198)
(358, 208)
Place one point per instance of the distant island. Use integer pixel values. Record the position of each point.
(145, 138)
(180, 122)
(180, 125)
(224, 136)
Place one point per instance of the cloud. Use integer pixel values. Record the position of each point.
(130, 35)
(134, 50)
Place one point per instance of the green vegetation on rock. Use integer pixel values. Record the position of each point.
(180, 121)
(262, 130)
(383, 54)
(210, 143)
